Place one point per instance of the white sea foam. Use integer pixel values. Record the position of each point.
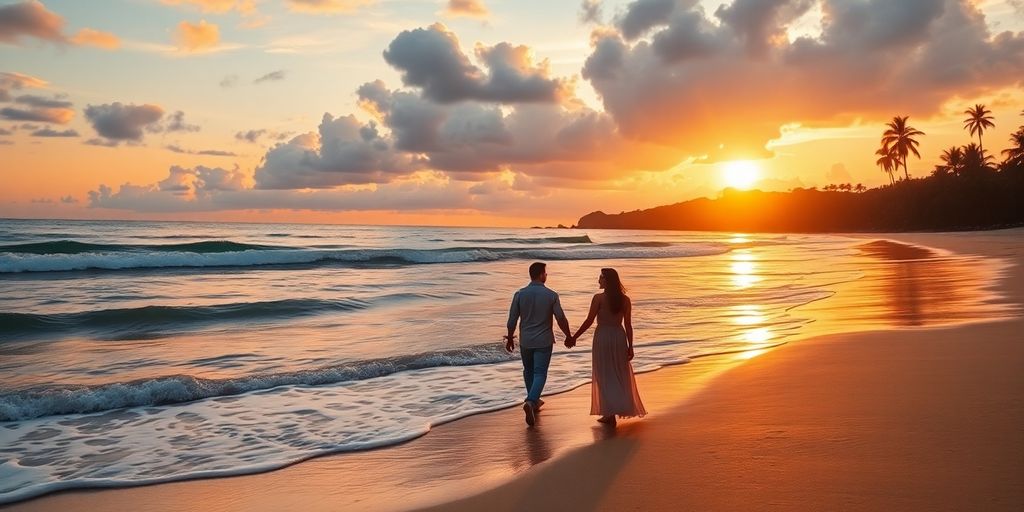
(271, 428)
(14, 262)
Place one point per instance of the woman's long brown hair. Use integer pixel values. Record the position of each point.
(613, 289)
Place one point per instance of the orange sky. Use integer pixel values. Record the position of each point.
(412, 112)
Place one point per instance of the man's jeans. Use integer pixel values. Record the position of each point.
(535, 370)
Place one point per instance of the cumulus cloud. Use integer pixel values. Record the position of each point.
(195, 37)
(119, 122)
(466, 8)
(5, 131)
(229, 81)
(590, 11)
(182, 190)
(208, 189)
(343, 152)
(421, 191)
(643, 15)
(723, 86)
(472, 139)
(273, 76)
(431, 59)
(49, 132)
(327, 6)
(96, 38)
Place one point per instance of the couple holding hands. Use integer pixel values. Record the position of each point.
(613, 388)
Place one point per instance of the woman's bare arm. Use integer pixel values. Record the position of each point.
(627, 319)
(595, 303)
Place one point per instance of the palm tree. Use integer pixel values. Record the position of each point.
(978, 119)
(886, 162)
(975, 159)
(859, 188)
(953, 158)
(1015, 153)
(899, 139)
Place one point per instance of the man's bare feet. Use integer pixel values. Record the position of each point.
(531, 413)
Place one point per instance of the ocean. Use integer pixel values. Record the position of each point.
(143, 352)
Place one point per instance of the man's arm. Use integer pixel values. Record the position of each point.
(513, 319)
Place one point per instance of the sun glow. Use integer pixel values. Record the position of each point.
(741, 174)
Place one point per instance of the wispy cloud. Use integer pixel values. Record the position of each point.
(38, 114)
(96, 38)
(174, 148)
(252, 18)
(31, 19)
(467, 9)
(327, 6)
(273, 76)
(194, 37)
(49, 132)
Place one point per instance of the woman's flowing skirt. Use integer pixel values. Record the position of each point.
(614, 388)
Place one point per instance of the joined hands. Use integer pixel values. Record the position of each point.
(570, 341)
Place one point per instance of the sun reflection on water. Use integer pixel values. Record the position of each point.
(759, 335)
(748, 314)
(744, 269)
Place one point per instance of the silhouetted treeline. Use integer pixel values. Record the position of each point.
(968, 190)
(971, 200)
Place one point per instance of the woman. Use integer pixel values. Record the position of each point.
(614, 390)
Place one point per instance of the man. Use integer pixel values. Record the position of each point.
(533, 307)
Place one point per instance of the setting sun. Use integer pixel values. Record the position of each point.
(741, 174)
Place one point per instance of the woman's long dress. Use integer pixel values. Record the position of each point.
(614, 388)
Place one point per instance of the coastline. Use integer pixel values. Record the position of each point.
(425, 466)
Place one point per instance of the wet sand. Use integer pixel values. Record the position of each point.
(905, 418)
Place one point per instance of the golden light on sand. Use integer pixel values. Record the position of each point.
(740, 174)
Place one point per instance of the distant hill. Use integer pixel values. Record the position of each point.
(938, 203)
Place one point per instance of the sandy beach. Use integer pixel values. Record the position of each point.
(908, 418)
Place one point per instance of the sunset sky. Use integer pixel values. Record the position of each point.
(475, 112)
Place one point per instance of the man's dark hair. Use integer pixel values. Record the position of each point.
(537, 269)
